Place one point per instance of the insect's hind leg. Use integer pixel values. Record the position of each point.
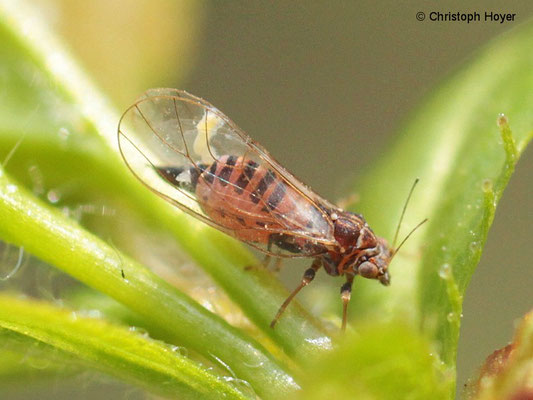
(346, 293)
(309, 275)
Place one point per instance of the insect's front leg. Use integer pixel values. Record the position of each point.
(309, 275)
(346, 293)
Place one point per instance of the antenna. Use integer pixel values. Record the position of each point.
(401, 216)
(407, 237)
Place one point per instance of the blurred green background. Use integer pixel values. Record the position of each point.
(323, 86)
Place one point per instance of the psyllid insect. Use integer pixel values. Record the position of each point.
(192, 155)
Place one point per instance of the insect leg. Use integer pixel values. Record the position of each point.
(268, 257)
(309, 275)
(346, 292)
(266, 261)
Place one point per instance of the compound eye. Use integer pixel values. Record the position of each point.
(368, 270)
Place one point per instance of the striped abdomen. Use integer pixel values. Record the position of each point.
(248, 199)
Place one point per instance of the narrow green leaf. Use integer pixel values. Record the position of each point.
(464, 154)
(52, 237)
(114, 350)
(73, 130)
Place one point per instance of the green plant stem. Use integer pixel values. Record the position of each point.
(59, 241)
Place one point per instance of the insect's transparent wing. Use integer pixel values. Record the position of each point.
(171, 130)
(160, 130)
(297, 184)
